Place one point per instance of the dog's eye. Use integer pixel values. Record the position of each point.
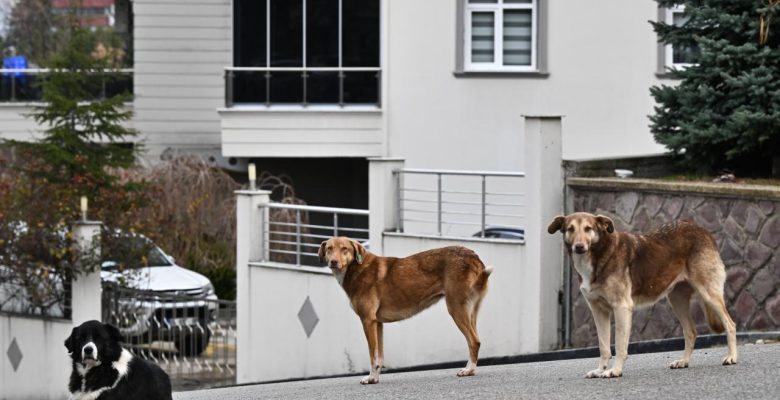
(588, 229)
(570, 229)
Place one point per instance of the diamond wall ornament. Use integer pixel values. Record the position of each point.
(308, 317)
(14, 354)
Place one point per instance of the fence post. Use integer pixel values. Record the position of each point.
(250, 246)
(381, 192)
(85, 288)
(544, 177)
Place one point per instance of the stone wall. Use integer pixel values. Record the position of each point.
(744, 220)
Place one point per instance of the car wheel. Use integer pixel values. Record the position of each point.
(192, 345)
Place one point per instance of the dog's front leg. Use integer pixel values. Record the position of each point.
(622, 333)
(601, 317)
(371, 328)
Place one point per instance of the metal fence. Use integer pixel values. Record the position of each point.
(24, 84)
(294, 232)
(458, 203)
(303, 86)
(191, 337)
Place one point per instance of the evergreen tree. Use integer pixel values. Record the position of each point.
(84, 136)
(725, 111)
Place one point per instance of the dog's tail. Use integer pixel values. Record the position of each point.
(483, 278)
(716, 325)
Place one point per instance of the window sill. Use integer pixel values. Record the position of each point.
(300, 108)
(502, 74)
(666, 75)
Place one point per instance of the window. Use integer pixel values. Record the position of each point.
(500, 35)
(305, 52)
(678, 56)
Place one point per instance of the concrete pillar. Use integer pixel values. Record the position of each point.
(382, 199)
(250, 246)
(544, 191)
(85, 288)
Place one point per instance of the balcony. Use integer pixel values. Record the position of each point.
(302, 112)
(22, 85)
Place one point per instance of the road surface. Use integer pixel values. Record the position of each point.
(646, 376)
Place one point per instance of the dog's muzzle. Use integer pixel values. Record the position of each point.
(580, 248)
(89, 353)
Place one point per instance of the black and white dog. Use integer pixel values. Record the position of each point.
(103, 370)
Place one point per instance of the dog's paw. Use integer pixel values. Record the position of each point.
(678, 364)
(596, 373)
(369, 380)
(730, 360)
(612, 373)
(467, 372)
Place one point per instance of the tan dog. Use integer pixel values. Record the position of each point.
(389, 289)
(621, 271)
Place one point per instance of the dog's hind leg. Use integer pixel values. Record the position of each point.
(708, 277)
(462, 311)
(713, 299)
(680, 300)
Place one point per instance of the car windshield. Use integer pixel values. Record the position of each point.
(125, 252)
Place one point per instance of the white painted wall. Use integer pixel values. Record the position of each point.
(181, 49)
(254, 132)
(45, 368)
(13, 123)
(277, 347)
(601, 63)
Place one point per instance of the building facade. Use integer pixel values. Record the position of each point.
(297, 85)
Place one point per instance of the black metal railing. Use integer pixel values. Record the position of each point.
(24, 85)
(269, 86)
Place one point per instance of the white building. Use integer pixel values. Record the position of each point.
(440, 83)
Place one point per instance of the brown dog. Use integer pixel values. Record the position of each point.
(389, 289)
(621, 271)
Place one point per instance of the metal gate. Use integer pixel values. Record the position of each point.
(190, 337)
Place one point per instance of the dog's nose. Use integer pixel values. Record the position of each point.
(334, 263)
(88, 350)
(579, 248)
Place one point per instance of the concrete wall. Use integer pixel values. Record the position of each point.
(743, 220)
(44, 370)
(14, 125)
(600, 68)
(253, 132)
(45, 366)
(278, 347)
(519, 315)
(181, 48)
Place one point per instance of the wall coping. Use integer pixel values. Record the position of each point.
(291, 267)
(710, 189)
(454, 238)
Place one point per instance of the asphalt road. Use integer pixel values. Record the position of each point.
(646, 376)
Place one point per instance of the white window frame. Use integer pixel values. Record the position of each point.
(669, 49)
(498, 9)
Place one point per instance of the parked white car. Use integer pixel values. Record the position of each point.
(157, 300)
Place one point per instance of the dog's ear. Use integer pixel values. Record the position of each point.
(359, 251)
(113, 333)
(556, 225)
(69, 341)
(605, 223)
(322, 251)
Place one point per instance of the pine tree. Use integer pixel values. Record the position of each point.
(725, 111)
(84, 136)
